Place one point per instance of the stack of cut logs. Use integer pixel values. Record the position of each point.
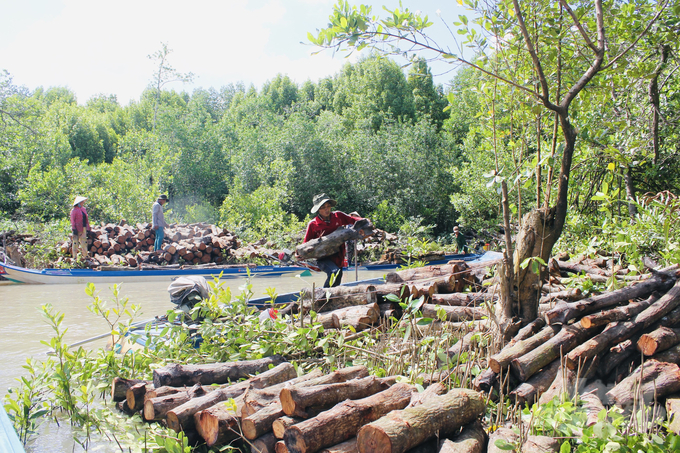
(363, 306)
(278, 411)
(13, 243)
(123, 244)
(595, 345)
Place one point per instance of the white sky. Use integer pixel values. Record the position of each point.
(93, 47)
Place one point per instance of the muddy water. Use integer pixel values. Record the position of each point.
(24, 326)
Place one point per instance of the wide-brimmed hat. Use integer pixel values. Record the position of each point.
(79, 200)
(163, 197)
(319, 200)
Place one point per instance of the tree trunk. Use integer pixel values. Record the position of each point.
(462, 299)
(182, 417)
(658, 380)
(177, 375)
(348, 446)
(471, 440)
(403, 429)
(521, 287)
(331, 243)
(344, 420)
(296, 400)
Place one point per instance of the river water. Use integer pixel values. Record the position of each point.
(25, 327)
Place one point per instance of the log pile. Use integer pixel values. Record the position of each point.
(275, 411)
(601, 337)
(122, 244)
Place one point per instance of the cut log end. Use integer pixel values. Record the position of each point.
(374, 440)
(249, 428)
(295, 440)
(209, 427)
(149, 412)
(173, 422)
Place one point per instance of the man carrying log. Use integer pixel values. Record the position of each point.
(325, 223)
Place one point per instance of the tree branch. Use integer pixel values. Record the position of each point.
(12, 117)
(579, 26)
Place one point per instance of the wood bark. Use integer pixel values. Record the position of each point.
(281, 424)
(264, 444)
(330, 299)
(567, 339)
(296, 400)
(399, 290)
(619, 313)
(344, 420)
(348, 446)
(219, 423)
(359, 318)
(177, 375)
(120, 386)
(182, 416)
(564, 312)
(471, 440)
(462, 299)
(658, 340)
(433, 390)
(403, 429)
(571, 294)
(427, 272)
(258, 399)
(673, 411)
(485, 381)
(331, 243)
(618, 354)
(658, 380)
(502, 360)
(328, 320)
(541, 444)
(592, 403)
(671, 355)
(135, 396)
(454, 314)
(162, 391)
(467, 343)
(157, 408)
(505, 434)
(623, 330)
(530, 391)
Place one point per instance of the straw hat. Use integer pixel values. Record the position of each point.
(319, 200)
(79, 200)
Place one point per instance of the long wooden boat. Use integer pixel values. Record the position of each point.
(160, 273)
(168, 273)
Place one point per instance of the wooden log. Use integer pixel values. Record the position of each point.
(296, 400)
(280, 447)
(571, 294)
(157, 408)
(541, 444)
(135, 396)
(258, 399)
(281, 424)
(619, 313)
(331, 299)
(671, 355)
(485, 381)
(328, 320)
(162, 391)
(434, 390)
(264, 444)
(530, 391)
(623, 330)
(576, 268)
(182, 416)
(503, 359)
(463, 299)
(618, 354)
(399, 290)
(563, 312)
(219, 423)
(331, 243)
(592, 402)
(359, 318)
(659, 379)
(567, 339)
(454, 314)
(124, 408)
(471, 440)
(403, 429)
(120, 386)
(673, 411)
(505, 435)
(348, 446)
(344, 420)
(658, 340)
(177, 375)
(254, 422)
